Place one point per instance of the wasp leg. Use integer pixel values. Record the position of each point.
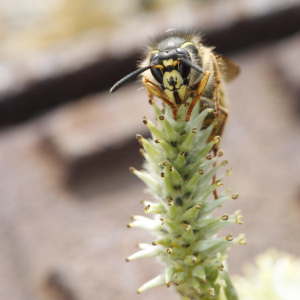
(219, 123)
(214, 178)
(200, 90)
(218, 130)
(217, 110)
(152, 89)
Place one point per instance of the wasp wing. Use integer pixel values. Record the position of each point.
(228, 68)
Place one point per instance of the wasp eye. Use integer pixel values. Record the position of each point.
(184, 70)
(157, 74)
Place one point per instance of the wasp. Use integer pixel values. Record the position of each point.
(177, 66)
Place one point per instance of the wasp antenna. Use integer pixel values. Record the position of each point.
(121, 82)
(190, 64)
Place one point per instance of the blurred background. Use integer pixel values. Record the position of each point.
(66, 194)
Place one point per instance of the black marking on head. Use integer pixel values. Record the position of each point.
(159, 57)
(172, 81)
(170, 43)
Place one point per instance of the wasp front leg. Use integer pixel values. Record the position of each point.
(200, 90)
(152, 89)
(217, 109)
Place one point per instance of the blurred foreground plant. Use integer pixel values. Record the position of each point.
(275, 276)
(179, 171)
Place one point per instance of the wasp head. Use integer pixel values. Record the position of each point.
(171, 72)
(170, 66)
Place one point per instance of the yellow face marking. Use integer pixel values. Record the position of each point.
(175, 89)
(175, 63)
(158, 67)
(173, 76)
(170, 95)
(168, 62)
(182, 92)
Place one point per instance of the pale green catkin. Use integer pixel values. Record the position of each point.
(178, 171)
